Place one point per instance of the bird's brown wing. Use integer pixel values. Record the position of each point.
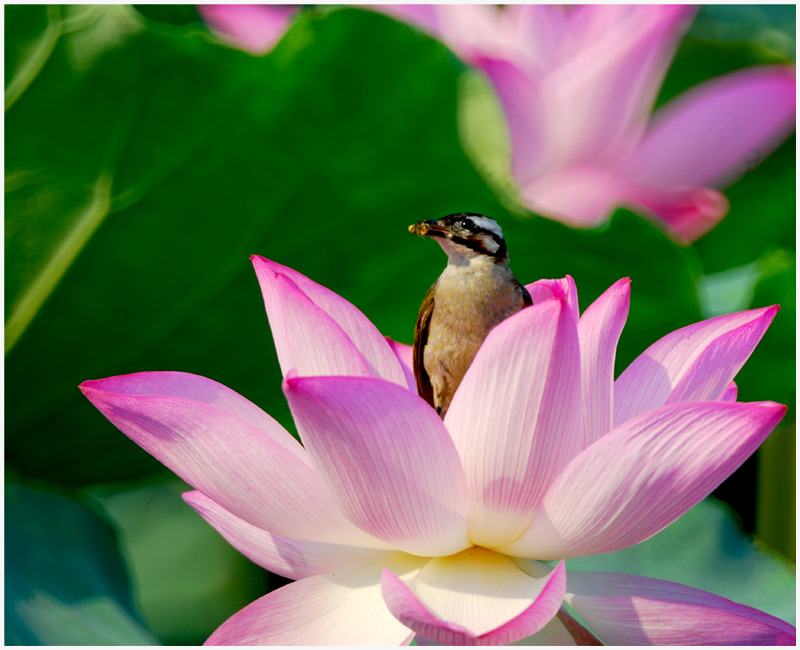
(424, 387)
(527, 301)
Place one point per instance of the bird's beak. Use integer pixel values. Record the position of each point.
(431, 228)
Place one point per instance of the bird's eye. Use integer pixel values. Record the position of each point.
(467, 223)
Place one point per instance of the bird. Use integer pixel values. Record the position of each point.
(476, 291)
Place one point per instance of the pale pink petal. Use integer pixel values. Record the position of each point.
(643, 475)
(386, 457)
(424, 17)
(469, 29)
(565, 288)
(523, 105)
(688, 212)
(586, 196)
(692, 364)
(633, 610)
(255, 28)
(580, 197)
(717, 131)
(292, 558)
(598, 333)
(405, 355)
(345, 609)
(534, 34)
(596, 104)
(199, 389)
(528, 371)
(457, 605)
(554, 633)
(250, 469)
(730, 393)
(317, 332)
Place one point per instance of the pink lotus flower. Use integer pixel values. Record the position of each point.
(395, 523)
(254, 28)
(578, 86)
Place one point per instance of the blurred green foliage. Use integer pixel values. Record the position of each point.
(65, 582)
(145, 162)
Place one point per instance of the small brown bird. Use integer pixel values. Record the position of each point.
(475, 292)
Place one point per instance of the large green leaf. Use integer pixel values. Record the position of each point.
(66, 583)
(188, 579)
(707, 550)
(147, 173)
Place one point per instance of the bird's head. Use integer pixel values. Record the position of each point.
(465, 235)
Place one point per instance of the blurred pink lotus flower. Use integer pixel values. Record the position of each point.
(396, 524)
(254, 28)
(578, 86)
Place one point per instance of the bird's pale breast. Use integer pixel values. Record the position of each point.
(468, 304)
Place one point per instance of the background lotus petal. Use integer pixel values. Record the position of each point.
(703, 137)
(632, 610)
(597, 101)
(528, 369)
(537, 31)
(255, 28)
(643, 475)
(693, 363)
(288, 557)
(386, 457)
(524, 112)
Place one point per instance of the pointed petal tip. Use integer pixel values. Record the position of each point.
(291, 380)
(261, 262)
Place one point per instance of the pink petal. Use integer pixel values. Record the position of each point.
(386, 457)
(586, 196)
(424, 17)
(470, 30)
(317, 332)
(255, 28)
(717, 131)
(730, 393)
(534, 35)
(598, 333)
(200, 389)
(688, 212)
(405, 355)
(692, 364)
(248, 464)
(473, 600)
(344, 609)
(643, 475)
(519, 91)
(554, 633)
(515, 418)
(580, 197)
(565, 288)
(292, 558)
(595, 105)
(633, 610)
